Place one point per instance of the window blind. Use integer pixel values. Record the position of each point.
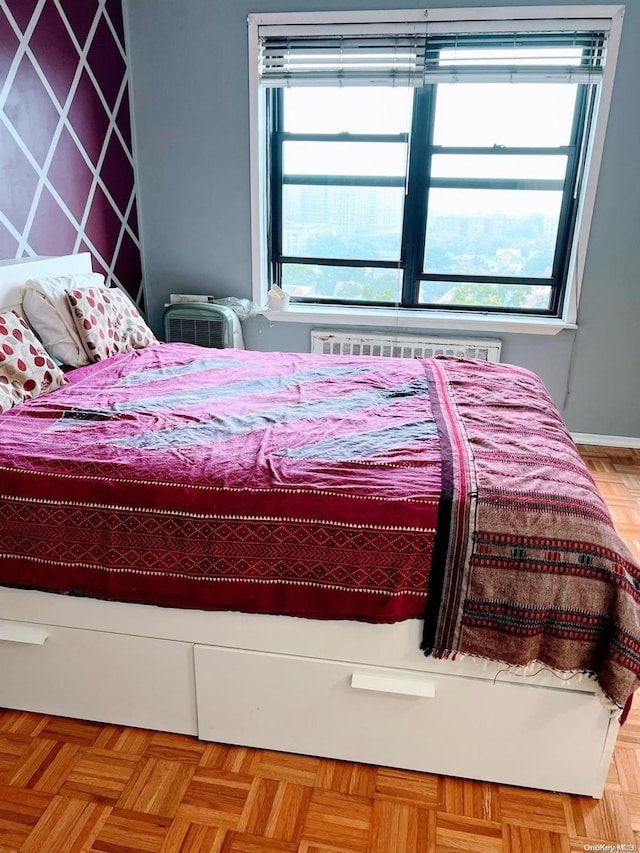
(418, 57)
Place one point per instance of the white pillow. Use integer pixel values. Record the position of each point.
(47, 310)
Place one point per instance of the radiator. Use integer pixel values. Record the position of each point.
(402, 346)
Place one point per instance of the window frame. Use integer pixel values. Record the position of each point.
(277, 138)
(584, 167)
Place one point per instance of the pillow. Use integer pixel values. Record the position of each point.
(47, 309)
(6, 394)
(108, 322)
(26, 371)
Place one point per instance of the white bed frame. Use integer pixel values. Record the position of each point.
(343, 690)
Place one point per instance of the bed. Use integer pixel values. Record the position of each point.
(397, 562)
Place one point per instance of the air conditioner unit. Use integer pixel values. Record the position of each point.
(203, 324)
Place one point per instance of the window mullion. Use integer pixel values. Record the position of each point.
(416, 199)
(276, 124)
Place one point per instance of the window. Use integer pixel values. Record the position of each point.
(445, 166)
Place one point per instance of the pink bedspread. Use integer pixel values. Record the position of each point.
(259, 482)
(326, 487)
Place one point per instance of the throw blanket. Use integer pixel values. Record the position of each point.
(528, 565)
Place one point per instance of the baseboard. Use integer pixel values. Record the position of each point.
(605, 440)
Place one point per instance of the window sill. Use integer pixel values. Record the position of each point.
(407, 318)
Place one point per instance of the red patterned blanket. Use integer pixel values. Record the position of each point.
(313, 486)
(258, 482)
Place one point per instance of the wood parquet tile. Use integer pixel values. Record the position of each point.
(397, 826)
(339, 820)
(468, 834)
(100, 776)
(132, 832)
(416, 789)
(66, 825)
(68, 786)
(157, 787)
(537, 809)
(523, 839)
(345, 777)
(215, 798)
(469, 799)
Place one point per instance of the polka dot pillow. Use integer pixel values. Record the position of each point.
(26, 371)
(108, 322)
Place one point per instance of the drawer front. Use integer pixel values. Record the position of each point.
(529, 736)
(112, 678)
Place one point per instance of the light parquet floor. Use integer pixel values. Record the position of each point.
(68, 786)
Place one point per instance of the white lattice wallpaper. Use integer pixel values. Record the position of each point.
(66, 165)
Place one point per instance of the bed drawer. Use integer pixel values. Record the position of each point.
(94, 675)
(401, 718)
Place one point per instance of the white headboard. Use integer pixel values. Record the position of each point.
(14, 274)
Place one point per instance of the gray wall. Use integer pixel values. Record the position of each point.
(191, 117)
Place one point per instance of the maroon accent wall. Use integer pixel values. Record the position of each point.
(66, 165)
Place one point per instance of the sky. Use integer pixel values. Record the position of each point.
(470, 114)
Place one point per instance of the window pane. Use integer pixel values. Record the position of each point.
(361, 223)
(376, 109)
(522, 114)
(552, 167)
(472, 293)
(492, 232)
(356, 283)
(345, 158)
